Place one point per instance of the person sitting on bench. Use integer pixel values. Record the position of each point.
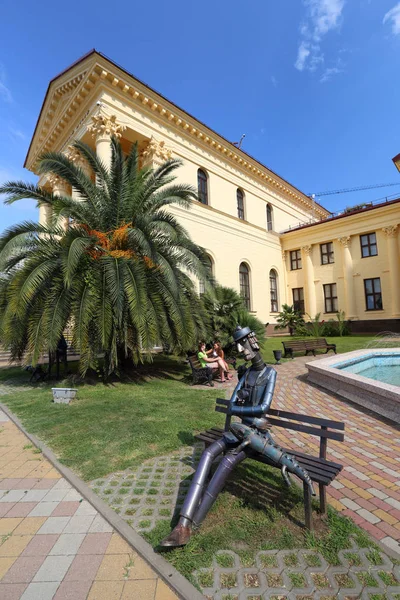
(212, 363)
(250, 402)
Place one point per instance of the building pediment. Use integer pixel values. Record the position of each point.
(62, 114)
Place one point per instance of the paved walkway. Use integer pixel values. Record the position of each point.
(53, 543)
(368, 488)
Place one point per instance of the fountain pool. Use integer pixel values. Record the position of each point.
(370, 378)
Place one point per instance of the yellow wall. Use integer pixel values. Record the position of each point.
(385, 265)
(74, 99)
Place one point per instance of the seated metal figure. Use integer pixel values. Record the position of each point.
(250, 402)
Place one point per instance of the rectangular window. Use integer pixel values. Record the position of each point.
(295, 260)
(331, 301)
(373, 294)
(298, 300)
(327, 255)
(368, 245)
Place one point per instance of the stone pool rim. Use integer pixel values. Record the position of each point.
(377, 396)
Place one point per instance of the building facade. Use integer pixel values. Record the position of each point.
(349, 263)
(243, 206)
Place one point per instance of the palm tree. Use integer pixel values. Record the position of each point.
(121, 274)
(225, 309)
(289, 317)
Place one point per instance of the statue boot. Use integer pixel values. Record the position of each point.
(179, 536)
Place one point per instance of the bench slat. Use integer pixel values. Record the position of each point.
(222, 401)
(295, 344)
(320, 469)
(306, 419)
(318, 477)
(332, 435)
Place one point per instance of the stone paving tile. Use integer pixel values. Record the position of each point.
(73, 590)
(67, 543)
(24, 569)
(53, 543)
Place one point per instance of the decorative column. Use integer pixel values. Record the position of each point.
(44, 210)
(309, 277)
(60, 188)
(394, 267)
(76, 157)
(102, 128)
(350, 310)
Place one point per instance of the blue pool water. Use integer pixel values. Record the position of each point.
(381, 367)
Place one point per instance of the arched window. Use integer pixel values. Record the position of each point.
(240, 203)
(244, 278)
(273, 290)
(202, 283)
(202, 186)
(270, 224)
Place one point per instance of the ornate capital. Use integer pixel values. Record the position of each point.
(58, 184)
(74, 155)
(306, 249)
(390, 231)
(154, 149)
(345, 241)
(105, 126)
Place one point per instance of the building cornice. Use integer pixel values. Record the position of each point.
(69, 91)
(356, 223)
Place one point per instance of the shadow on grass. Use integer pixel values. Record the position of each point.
(162, 367)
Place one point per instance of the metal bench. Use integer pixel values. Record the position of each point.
(321, 470)
(201, 374)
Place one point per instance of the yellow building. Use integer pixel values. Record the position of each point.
(244, 206)
(350, 262)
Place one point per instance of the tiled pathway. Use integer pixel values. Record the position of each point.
(368, 488)
(53, 543)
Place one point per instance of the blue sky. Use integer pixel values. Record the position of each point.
(314, 84)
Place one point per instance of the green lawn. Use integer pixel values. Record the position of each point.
(116, 426)
(111, 427)
(343, 344)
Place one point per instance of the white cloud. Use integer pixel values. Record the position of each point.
(329, 73)
(5, 93)
(274, 81)
(323, 16)
(302, 56)
(393, 16)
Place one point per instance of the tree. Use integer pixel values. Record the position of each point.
(120, 274)
(225, 309)
(289, 317)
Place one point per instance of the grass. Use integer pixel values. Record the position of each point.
(112, 427)
(255, 512)
(343, 344)
(116, 426)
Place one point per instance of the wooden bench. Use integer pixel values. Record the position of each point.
(201, 374)
(294, 346)
(307, 346)
(321, 470)
(319, 344)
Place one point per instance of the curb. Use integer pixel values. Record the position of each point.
(179, 584)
